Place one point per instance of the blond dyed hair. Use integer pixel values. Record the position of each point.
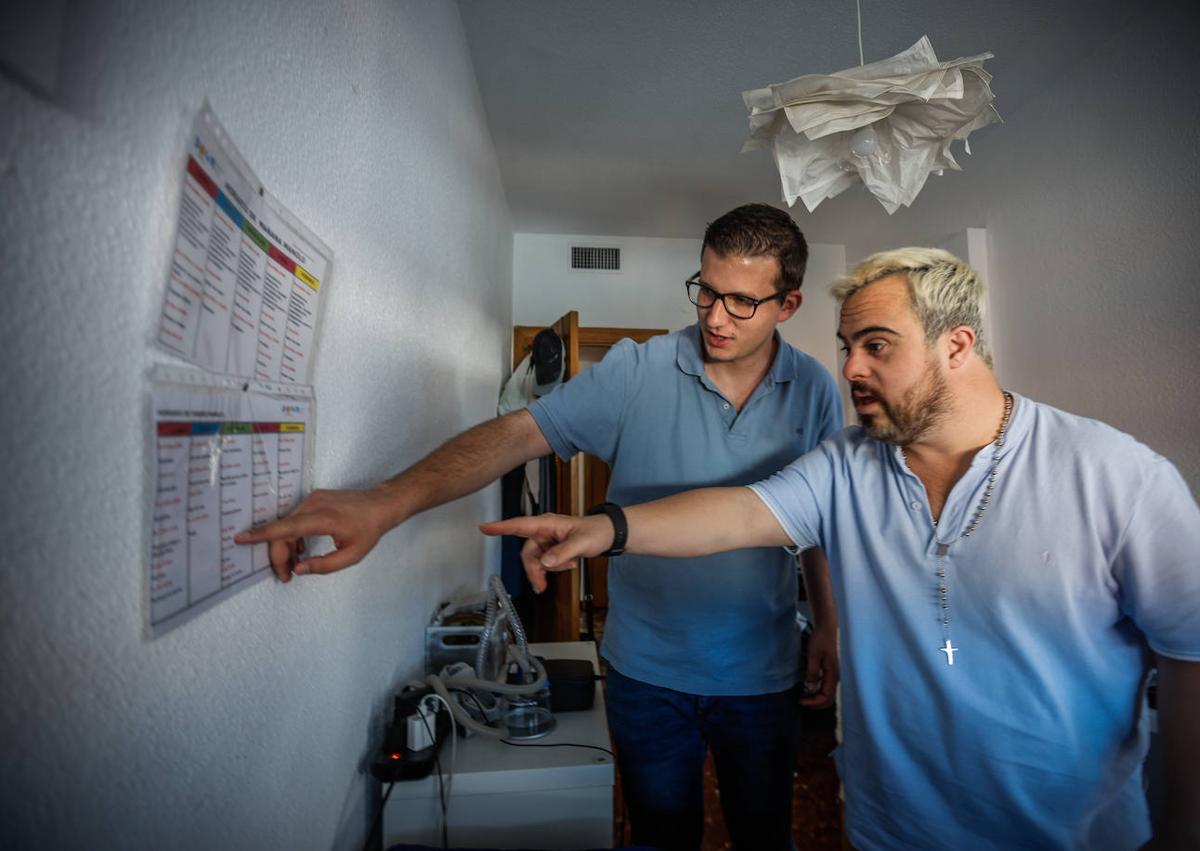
(946, 292)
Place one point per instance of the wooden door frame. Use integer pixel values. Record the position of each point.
(559, 607)
(589, 338)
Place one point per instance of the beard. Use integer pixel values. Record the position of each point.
(905, 421)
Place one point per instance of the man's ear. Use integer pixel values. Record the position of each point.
(960, 343)
(790, 304)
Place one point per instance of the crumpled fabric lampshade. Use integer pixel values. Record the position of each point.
(886, 125)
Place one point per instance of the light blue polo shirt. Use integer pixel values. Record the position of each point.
(1088, 557)
(723, 624)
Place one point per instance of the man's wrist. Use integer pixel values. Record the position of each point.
(389, 504)
(620, 527)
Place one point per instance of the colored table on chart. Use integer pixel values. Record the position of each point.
(215, 477)
(244, 288)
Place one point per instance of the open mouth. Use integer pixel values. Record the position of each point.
(716, 340)
(864, 403)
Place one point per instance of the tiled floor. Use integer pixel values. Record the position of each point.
(816, 814)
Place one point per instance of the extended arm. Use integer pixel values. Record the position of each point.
(1179, 733)
(694, 523)
(823, 672)
(356, 520)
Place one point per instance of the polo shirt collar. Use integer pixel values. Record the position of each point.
(689, 357)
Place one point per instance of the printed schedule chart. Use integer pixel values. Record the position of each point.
(244, 290)
(227, 459)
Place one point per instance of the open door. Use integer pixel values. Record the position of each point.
(580, 483)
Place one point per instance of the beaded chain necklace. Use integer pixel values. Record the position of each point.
(943, 547)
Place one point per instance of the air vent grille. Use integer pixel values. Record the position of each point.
(595, 259)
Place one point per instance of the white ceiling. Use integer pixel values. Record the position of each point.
(625, 117)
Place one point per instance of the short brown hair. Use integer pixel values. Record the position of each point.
(760, 230)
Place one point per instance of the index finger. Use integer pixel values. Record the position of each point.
(285, 528)
(525, 527)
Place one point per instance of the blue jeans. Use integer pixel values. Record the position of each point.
(661, 737)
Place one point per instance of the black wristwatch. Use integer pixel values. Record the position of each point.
(620, 527)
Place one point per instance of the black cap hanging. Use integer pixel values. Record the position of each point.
(547, 356)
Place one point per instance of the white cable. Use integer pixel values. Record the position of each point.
(453, 733)
(858, 7)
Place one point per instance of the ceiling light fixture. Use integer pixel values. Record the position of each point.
(887, 125)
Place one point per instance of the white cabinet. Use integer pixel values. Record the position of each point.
(502, 796)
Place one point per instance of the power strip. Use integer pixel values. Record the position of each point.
(408, 752)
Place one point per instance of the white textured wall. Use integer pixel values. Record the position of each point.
(814, 326)
(1090, 194)
(648, 291)
(250, 726)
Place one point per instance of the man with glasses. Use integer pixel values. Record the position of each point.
(703, 653)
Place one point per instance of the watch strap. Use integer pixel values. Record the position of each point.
(620, 526)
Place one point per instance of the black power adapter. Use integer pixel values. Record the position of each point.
(572, 684)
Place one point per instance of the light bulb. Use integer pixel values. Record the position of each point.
(864, 142)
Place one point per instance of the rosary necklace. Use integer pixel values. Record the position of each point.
(944, 547)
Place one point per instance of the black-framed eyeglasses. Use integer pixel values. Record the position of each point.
(736, 305)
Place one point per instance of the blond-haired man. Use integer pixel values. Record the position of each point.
(1006, 575)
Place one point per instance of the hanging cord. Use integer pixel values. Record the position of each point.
(443, 781)
(858, 8)
(378, 820)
